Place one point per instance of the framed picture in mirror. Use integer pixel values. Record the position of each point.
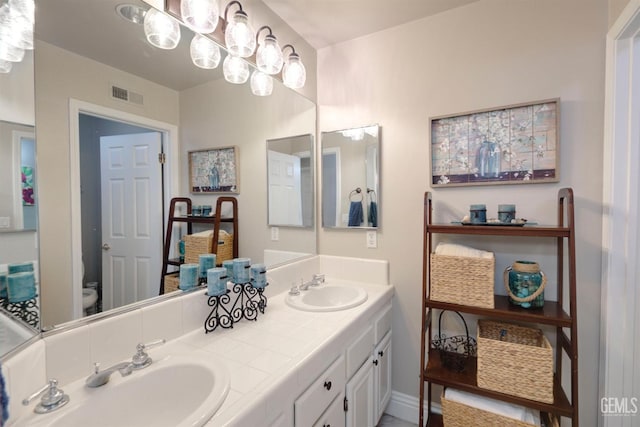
(214, 170)
(515, 144)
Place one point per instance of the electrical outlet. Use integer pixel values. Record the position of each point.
(372, 239)
(5, 222)
(275, 233)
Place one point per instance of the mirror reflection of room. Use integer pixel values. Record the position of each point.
(351, 178)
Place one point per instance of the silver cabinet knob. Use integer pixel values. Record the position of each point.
(106, 247)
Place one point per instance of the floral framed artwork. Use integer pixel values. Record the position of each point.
(515, 144)
(214, 170)
(26, 176)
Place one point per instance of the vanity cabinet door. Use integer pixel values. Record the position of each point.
(382, 375)
(317, 398)
(334, 415)
(360, 397)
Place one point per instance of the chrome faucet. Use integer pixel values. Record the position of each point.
(141, 359)
(99, 378)
(315, 281)
(52, 398)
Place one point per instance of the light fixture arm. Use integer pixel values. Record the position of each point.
(264, 27)
(293, 50)
(226, 10)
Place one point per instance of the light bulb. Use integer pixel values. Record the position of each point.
(239, 36)
(235, 69)
(294, 74)
(261, 83)
(200, 15)
(204, 52)
(161, 30)
(269, 57)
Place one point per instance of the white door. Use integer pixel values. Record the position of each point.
(360, 397)
(131, 217)
(285, 190)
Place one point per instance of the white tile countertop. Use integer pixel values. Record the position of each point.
(280, 352)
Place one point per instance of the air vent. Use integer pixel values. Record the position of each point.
(126, 95)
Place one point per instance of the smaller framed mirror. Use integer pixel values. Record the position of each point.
(351, 178)
(290, 181)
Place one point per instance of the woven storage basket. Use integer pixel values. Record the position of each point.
(456, 414)
(171, 283)
(462, 280)
(515, 360)
(201, 243)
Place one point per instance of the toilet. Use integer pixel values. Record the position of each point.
(89, 299)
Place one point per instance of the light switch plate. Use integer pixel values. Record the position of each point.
(5, 222)
(372, 239)
(275, 233)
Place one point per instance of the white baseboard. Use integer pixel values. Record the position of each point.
(405, 407)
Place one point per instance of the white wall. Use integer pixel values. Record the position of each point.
(61, 75)
(16, 89)
(487, 54)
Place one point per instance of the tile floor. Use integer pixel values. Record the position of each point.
(389, 421)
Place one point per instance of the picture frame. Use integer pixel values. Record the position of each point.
(214, 171)
(514, 144)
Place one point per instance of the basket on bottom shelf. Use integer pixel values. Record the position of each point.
(171, 283)
(459, 414)
(515, 360)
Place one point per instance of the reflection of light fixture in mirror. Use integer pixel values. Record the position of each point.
(161, 30)
(358, 134)
(200, 15)
(294, 74)
(5, 66)
(261, 83)
(204, 52)
(269, 57)
(131, 13)
(239, 35)
(235, 69)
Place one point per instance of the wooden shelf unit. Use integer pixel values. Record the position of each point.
(552, 313)
(189, 220)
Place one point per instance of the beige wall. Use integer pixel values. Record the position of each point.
(615, 9)
(220, 114)
(60, 76)
(16, 92)
(487, 54)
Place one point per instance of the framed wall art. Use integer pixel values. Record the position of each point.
(214, 170)
(516, 144)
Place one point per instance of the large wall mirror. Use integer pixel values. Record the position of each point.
(93, 90)
(351, 178)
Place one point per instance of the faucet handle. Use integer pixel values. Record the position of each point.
(141, 359)
(52, 398)
(318, 278)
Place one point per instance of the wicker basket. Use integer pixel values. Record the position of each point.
(171, 283)
(462, 280)
(201, 243)
(515, 360)
(456, 414)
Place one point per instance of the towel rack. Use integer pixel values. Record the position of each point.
(355, 193)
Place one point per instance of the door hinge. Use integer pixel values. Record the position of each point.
(346, 405)
(162, 158)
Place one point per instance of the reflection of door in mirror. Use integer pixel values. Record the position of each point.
(351, 178)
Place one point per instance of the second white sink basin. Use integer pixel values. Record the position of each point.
(174, 391)
(328, 298)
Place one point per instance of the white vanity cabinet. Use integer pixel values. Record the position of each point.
(334, 415)
(382, 376)
(321, 393)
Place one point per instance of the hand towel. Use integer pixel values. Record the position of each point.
(505, 409)
(373, 214)
(356, 216)
(4, 401)
(452, 249)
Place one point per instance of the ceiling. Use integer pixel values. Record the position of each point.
(326, 22)
(92, 29)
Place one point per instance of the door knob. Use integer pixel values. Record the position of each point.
(106, 247)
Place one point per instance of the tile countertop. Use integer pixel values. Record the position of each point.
(272, 360)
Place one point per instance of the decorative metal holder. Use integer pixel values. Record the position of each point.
(27, 311)
(246, 302)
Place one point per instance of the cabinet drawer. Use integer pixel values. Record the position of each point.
(382, 324)
(359, 351)
(334, 415)
(315, 400)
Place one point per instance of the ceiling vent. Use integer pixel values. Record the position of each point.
(126, 95)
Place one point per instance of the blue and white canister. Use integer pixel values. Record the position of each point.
(188, 276)
(258, 276)
(216, 281)
(241, 268)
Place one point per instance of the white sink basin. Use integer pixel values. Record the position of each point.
(174, 391)
(328, 298)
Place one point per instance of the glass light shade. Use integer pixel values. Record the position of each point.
(235, 69)
(24, 8)
(294, 74)
(9, 52)
(200, 15)
(239, 36)
(269, 57)
(204, 52)
(5, 66)
(261, 83)
(20, 32)
(161, 30)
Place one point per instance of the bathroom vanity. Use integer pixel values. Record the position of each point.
(288, 368)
